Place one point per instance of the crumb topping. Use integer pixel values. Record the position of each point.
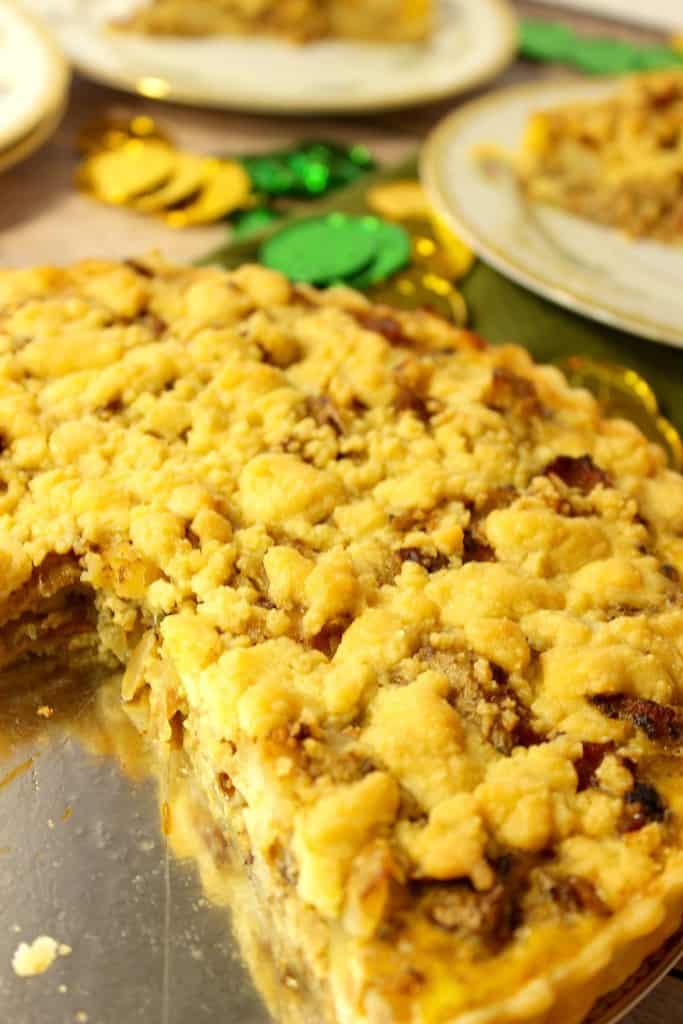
(414, 599)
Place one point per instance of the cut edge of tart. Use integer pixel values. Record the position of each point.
(410, 605)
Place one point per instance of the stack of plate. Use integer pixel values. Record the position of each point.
(34, 79)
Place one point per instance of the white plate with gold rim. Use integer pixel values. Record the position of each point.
(636, 285)
(34, 75)
(32, 141)
(473, 41)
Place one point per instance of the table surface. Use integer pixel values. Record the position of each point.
(44, 219)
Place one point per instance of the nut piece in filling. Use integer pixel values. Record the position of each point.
(409, 604)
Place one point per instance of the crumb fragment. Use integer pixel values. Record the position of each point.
(45, 711)
(31, 958)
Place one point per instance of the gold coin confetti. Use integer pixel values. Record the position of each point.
(133, 163)
(110, 133)
(189, 174)
(227, 188)
(119, 175)
(399, 200)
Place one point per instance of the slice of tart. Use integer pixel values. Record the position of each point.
(617, 161)
(410, 606)
(300, 20)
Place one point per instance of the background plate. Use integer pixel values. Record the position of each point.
(472, 43)
(29, 143)
(635, 285)
(33, 74)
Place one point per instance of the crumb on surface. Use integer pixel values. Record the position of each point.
(31, 958)
(45, 711)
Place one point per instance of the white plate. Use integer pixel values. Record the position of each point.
(33, 74)
(473, 41)
(29, 143)
(664, 14)
(635, 285)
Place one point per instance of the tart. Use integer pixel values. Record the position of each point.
(300, 20)
(617, 161)
(409, 605)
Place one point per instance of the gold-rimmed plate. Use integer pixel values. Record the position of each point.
(32, 141)
(471, 43)
(34, 76)
(591, 269)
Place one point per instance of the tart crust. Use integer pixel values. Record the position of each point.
(409, 604)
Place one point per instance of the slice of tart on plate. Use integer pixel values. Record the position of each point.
(300, 20)
(616, 161)
(574, 189)
(239, 54)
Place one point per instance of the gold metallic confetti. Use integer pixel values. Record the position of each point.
(429, 253)
(119, 175)
(459, 255)
(132, 163)
(399, 200)
(435, 246)
(110, 133)
(228, 188)
(417, 289)
(190, 173)
(622, 392)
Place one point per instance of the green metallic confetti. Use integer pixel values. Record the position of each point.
(322, 250)
(249, 222)
(309, 170)
(545, 40)
(597, 55)
(393, 252)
